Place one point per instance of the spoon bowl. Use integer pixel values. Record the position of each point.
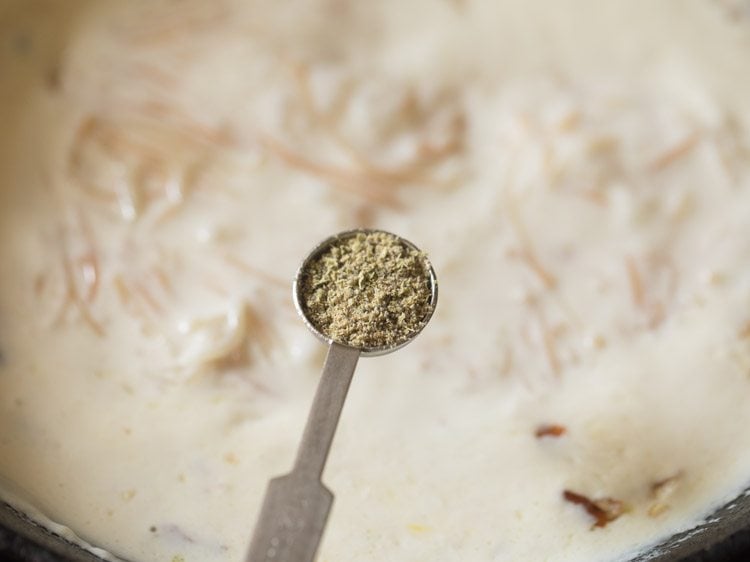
(366, 351)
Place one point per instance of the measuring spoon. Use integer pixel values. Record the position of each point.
(296, 506)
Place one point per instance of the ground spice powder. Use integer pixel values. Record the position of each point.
(367, 290)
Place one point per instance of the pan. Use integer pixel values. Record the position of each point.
(724, 536)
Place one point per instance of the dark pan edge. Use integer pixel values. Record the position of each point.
(25, 540)
(722, 537)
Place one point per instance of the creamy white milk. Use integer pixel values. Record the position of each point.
(578, 172)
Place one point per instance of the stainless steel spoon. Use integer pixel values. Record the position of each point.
(296, 506)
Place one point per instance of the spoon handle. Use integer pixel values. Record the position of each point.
(296, 506)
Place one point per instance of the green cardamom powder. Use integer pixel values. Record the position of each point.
(367, 290)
